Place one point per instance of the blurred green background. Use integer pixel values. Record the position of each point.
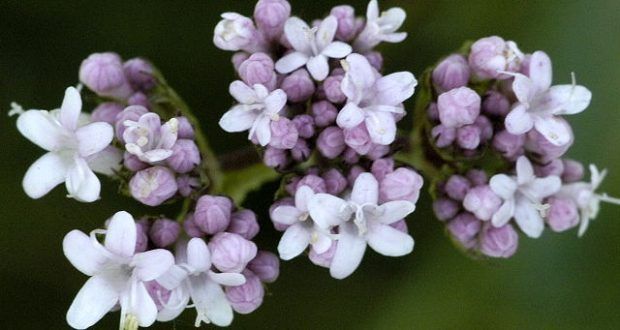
(558, 281)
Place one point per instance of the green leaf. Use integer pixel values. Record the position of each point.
(238, 183)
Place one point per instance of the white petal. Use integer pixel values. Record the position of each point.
(337, 49)
(318, 67)
(263, 130)
(176, 304)
(389, 241)
(168, 134)
(237, 119)
(541, 188)
(152, 264)
(296, 32)
(320, 242)
(394, 37)
(153, 156)
(525, 171)
(173, 278)
(528, 218)
(42, 129)
(286, 214)
(106, 161)
(519, 121)
(210, 299)
(94, 137)
(381, 127)
(198, 255)
(556, 130)
(142, 306)
(327, 210)
(365, 189)
(227, 279)
(540, 70)
(349, 252)
(567, 99)
(326, 32)
(121, 235)
(503, 185)
(350, 116)
(70, 108)
(44, 174)
(395, 210)
(294, 241)
(275, 102)
(291, 62)
(392, 19)
(82, 253)
(302, 197)
(372, 11)
(95, 299)
(359, 78)
(82, 184)
(394, 88)
(243, 93)
(504, 214)
(524, 88)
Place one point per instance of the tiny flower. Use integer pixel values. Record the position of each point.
(257, 108)
(118, 274)
(381, 167)
(509, 145)
(266, 266)
(301, 151)
(443, 136)
(545, 151)
(191, 228)
(186, 131)
(562, 215)
(335, 182)
(231, 252)
(358, 139)
(132, 113)
(139, 73)
(304, 125)
(312, 47)
(185, 156)
(247, 297)
(468, 137)
(153, 186)
(258, 69)
(333, 92)
(133, 163)
(401, 184)
(346, 22)
(464, 229)
(324, 113)
(482, 202)
(276, 158)
(244, 223)
(457, 187)
(237, 32)
(522, 196)
(270, 16)
(490, 56)
(106, 112)
(452, 72)
(213, 213)
(499, 242)
(164, 232)
(495, 104)
(445, 208)
(573, 171)
(331, 142)
(103, 73)
(380, 28)
(70, 146)
(458, 107)
(148, 139)
(187, 184)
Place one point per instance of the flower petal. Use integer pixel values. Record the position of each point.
(525, 171)
(365, 189)
(286, 214)
(274, 103)
(82, 254)
(504, 214)
(210, 300)
(263, 130)
(198, 255)
(541, 72)
(291, 62)
(70, 109)
(326, 31)
(503, 185)
(176, 304)
(389, 241)
(328, 210)
(296, 32)
(519, 121)
(359, 78)
(541, 188)
(294, 241)
(82, 184)
(107, 161)
(524, 88)
(556, 130)
(318, 67)
(42, 129)
(142, 306)
(302, 197)
(44, 174)
(394, 37)
(320, 242)
(152, 264)
(394, 88)
(93, 301)
(173, 278)
(372, 11)
(94, 137)
(350, 116)
(227, 279)
(237, 119)
(381, 127)
(337, 49)
(243, 93)
(394, 211)
(567, 99)
(349, 252)
(121, 235)
(528, 218)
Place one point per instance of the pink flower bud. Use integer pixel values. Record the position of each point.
(187, 184)
(106, 112)
(489, 56)
(103, 74)
(304, 125)
(332, 90)
(276, 158)
(354, 172)
(375, 59)
(244, 223)
(142, 240)
(138, 98)
(132, 163)
(464, 229)
(457, 187)
(562, 215)
(458, 107)
(402, 184)
(238, 58)
(444, 136)
(482, 202)
(335, 182)
(139, 73)
(284, 135)
(315, 182)
(496, 104)
(298, 86)
(400, 225)
(158, 293)
(555, 167)
(324, 113)
(190, 227)
(323, 259)
(573, 171)
(509, 145)
(164, 232)
(350, 156)
(270, 16)
(230, 253)
(132, 113)
(452, 72)
(236, 32)
(358, 139)
(266, 266)
(186, 131)
(331, 142)
(543, 150)
(247, 297)
(445, 208)
(346, 22)
(213, 213)
(258, 69)
(301, 151)
(378, 151)
(499, 242)
(485, 126)
(153, 185)
(477, 177)
(381, 167)
(468, 137)
(185, 156)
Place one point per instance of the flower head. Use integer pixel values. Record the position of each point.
(148, 139)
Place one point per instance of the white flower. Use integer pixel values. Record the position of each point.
(148, 139)
(117, 274)
(255, 112)
(312, 47)
(362, 222)
(72, 150)
(373, 99)
(539, 104)
(585, 197)
(302, 231)
(523, 196)
(380, 28)
(192, 277)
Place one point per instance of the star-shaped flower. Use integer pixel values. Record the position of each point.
(380, 28)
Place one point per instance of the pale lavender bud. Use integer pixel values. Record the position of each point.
(468, 137)
(445, 208)
(346, 22)
(106, 112)
(138, 98)
(332, 90)
(488, 56)
(573, 171)
(190, 227)
(187, 184)
(375, 59)
(153, 185)
(464, 229)
(402, 184)
(284, 135)
(452, 72)
(266, 266)
(139, 73)
(377, 151)
(244, 223)
(289, 201)
(354, 172)
(331, 142)
(301, 151)
(457, 187)
(275, 158)
(485, 126)
(358, 139)
(400, 225)
(350, 156)
(258, 69)
(562, 215)
(477, 177)
(335, 182)
(238, 58)
(555, 168)
(543, 150)
(458, 107)
(185, 131)
(185, 156)
(324, 113)
(509, 145)
(495, 104)
(142, 239)
(247, 297)
(103, 74)
(132, 113)
(270, 16)
(315, 182)
(236, 32)
(230, 253)
(304, 125)
(482, 202)
(164, 232)
(132, 163)
(444, 136)
(432, 111)
(499, 242)
(381, 167)
(323, 259)
(298, 86)
(213, 213)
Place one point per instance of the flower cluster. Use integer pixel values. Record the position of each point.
(305, 87)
